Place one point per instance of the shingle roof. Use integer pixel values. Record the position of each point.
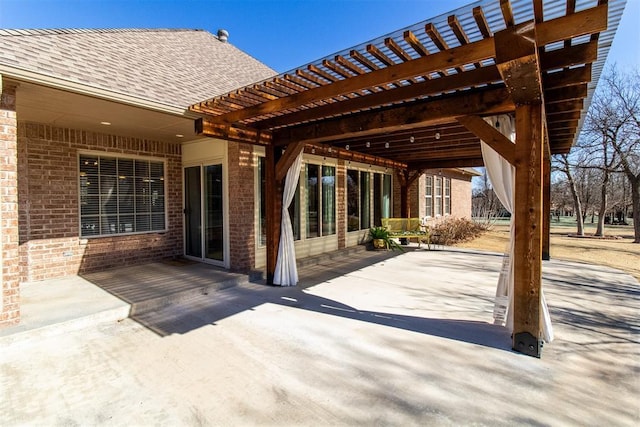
(171, 66)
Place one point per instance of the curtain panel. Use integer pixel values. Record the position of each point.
(286, 273)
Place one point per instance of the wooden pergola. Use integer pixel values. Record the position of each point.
(415, 100)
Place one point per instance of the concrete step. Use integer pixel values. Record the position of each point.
(181, 296)
(56, 306)
(61, 305)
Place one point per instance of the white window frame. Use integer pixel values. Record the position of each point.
(447, 196)
(428, 196)
(303, 231)
(437, 196)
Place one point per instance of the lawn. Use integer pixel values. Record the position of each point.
(618, 251)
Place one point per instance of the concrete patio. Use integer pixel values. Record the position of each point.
(368, 338)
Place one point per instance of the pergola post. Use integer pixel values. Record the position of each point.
(528, 229)
(406, 181)
(518, 62)
(546, 205)
(405, 208)
(273, 195)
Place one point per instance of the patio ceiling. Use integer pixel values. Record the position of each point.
(412, 99)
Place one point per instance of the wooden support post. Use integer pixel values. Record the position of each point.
(546, 205)
(405, 208)
(273, 195)
(406, 180)
(528, 229)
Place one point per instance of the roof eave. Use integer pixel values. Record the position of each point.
(20, 74)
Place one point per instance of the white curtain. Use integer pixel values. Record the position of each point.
(502, 177)
(286, 273)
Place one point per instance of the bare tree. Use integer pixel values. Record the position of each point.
(562, 164)
(606, 136)
(623, 94)
(485, 203)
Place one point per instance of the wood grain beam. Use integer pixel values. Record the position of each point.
(353, 156)
(584, 53)
(571, 77)
(507, 13)
(473, 52)
(206, 127)
(528, 230)
(490, 135)
(406, 116)
(287, 159)
(568, 93)
(564, 107)
(448, 163)
(563, 117)
(481, 22)
(453, 82)
(588, 21)
(415, 44)
(517, 61)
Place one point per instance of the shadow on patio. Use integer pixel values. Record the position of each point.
(208, 310)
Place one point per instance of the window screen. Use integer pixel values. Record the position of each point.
(120, 195)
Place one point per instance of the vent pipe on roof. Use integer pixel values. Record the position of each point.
(223, 35)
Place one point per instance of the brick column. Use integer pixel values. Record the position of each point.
(341, 220)
(241, 207)
(9, 257)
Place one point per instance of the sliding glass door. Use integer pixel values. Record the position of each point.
(204, 212)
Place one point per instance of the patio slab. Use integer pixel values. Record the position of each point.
(405, 340)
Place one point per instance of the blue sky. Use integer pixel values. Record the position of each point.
(281, 33)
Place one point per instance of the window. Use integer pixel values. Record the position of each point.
(381, 197)
(428, 194)
(361, 201)
(294, 213)
(365, 200)
(447, 196)
(321, 200)
(353, 200)
(328, 200)
(438, 196)
(120, 195)
(294, 207)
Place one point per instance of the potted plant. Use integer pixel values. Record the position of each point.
(381, 240)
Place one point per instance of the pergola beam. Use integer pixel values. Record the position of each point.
(410, 115)
(475, 161)
(453, 82)
(459, 56)
(206, 127)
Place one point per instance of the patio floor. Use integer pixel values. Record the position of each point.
(367, 338)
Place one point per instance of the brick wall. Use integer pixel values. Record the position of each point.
(241, 206)
(341, 214)
(50, 245)
(460, 194)
(9, 255)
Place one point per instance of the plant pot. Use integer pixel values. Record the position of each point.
(379, 244)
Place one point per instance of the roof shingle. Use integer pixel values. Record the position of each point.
(172, 66)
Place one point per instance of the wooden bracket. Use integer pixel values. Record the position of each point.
(491, 136)
(287, 159)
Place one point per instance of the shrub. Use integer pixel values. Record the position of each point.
(456, 230)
